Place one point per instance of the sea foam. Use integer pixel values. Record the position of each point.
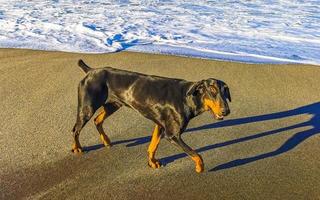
(247, 31)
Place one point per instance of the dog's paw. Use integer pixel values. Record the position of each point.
(76, 150)
(108, 145)
(199, 168)
(154, 164)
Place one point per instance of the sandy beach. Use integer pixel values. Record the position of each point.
(267, 148)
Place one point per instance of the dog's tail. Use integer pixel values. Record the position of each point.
(84, 66)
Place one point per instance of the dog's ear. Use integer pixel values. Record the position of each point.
(227, 92)
(197, 88)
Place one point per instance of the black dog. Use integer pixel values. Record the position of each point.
(169, 103)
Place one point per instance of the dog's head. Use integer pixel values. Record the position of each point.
(213, 95)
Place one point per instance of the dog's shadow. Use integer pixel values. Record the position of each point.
(292, 142)
(132, 142)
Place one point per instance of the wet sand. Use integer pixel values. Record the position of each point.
(267, 148)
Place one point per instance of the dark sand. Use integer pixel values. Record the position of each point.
(268, 148)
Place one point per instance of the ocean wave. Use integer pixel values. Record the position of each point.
(246, 31)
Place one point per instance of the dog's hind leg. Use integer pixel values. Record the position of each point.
(83, 117)
(108, 109)
(91, 96)
(156, 136)
(194, 156)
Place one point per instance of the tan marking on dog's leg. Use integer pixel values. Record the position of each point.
(98, 122)
(76, 147)
(156, 136)
(199, 163)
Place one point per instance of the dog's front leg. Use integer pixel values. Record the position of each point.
(194, 156)
(156, 136)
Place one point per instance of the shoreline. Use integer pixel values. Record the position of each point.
(267, 60)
